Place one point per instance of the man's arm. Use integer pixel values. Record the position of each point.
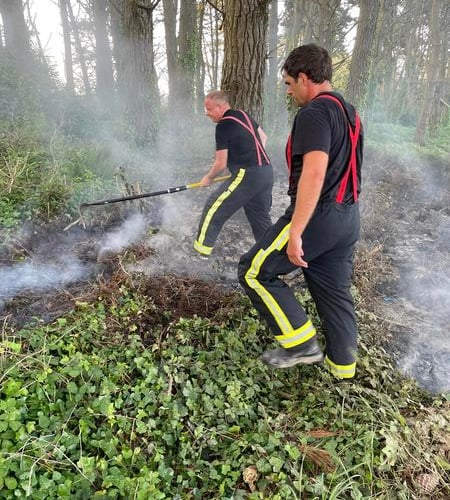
(219, 164)
(308, 193)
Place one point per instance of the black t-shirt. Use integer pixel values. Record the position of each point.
(322, 125)
(239, 142)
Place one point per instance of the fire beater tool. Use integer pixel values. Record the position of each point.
(176, 189)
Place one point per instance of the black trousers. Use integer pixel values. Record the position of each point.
(328, 245)
(249, 188)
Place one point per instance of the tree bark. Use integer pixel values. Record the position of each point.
(200, 68)
(363, 53)
(17, 39)
(245, 27)
(68, 61)
(103, 68)
(141, 91)
(328, 24)
(79, 48)
(187, 40)
(273, 75)
(170, 33)
(424, 123)
(118, 45)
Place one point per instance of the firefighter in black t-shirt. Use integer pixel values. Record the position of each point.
(240, 145)
(319, 230)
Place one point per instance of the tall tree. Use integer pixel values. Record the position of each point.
(104, 70)
(424, 122)
(328, 26)
(272, 80)
(245, 28)
(118, 42)
(409, 52)
(200, 63)
(141, 95)
(363, 52)
(212, 44)
(68, 60)
(78, 47)
(17, 38)
(182, 52)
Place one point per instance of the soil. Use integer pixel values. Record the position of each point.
(401, 264)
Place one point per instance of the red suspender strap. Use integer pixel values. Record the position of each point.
(289, 153)
(248, 126)
(354, 136)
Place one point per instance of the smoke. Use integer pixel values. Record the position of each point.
(128, 233)
(40, 276)
(408, 198)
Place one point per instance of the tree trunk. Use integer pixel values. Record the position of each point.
(362, 58)
(328, 23)
(216, 24)
(141, 91)
(424, 120)
(103, 55)
(35, 33)
(79, 48)
(170, 33)
(103, 68)
(245, 27)
(187, 40)
(118, 39)
(294, 26)
(17, 39)
(409, 42)
(68, 61)
(200, 68)
(273, 75)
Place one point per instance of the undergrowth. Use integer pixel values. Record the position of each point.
(106, 402)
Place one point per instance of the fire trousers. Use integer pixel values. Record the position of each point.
(328, 244)
(249, 188)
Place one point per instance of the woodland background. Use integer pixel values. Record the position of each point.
(126, 369)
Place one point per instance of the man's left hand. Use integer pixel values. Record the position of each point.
(295, 252)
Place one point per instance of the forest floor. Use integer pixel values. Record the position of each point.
(401, 265)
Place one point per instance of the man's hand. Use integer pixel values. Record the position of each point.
(205, 181)
(294, 251)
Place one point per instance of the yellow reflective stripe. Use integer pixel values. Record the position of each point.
(250, 277)
(215, 206)
(297, 337)
(202, 249)
(341, 371)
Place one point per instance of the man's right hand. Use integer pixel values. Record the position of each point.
(206, 181)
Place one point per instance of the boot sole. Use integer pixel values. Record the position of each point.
(287, 363)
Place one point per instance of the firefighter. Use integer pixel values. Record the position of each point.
(240, 146)
(318, 231)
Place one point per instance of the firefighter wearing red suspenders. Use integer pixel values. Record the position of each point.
(240, 148)
(319, 230)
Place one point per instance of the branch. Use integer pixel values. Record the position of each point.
(115, 6)
(149, 8)
(215, 6)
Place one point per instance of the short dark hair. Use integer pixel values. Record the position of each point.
(312, 60)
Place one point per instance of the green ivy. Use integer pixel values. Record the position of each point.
(88, 410)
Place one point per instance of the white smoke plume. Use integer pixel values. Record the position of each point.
(40, 276)
(129, 232)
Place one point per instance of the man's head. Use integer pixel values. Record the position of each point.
(307, 71)
(216, 103)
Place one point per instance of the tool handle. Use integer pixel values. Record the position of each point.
(216, 179)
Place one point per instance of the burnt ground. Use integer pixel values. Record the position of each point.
(401, 266)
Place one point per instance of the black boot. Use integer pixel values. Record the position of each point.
(306, 353)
